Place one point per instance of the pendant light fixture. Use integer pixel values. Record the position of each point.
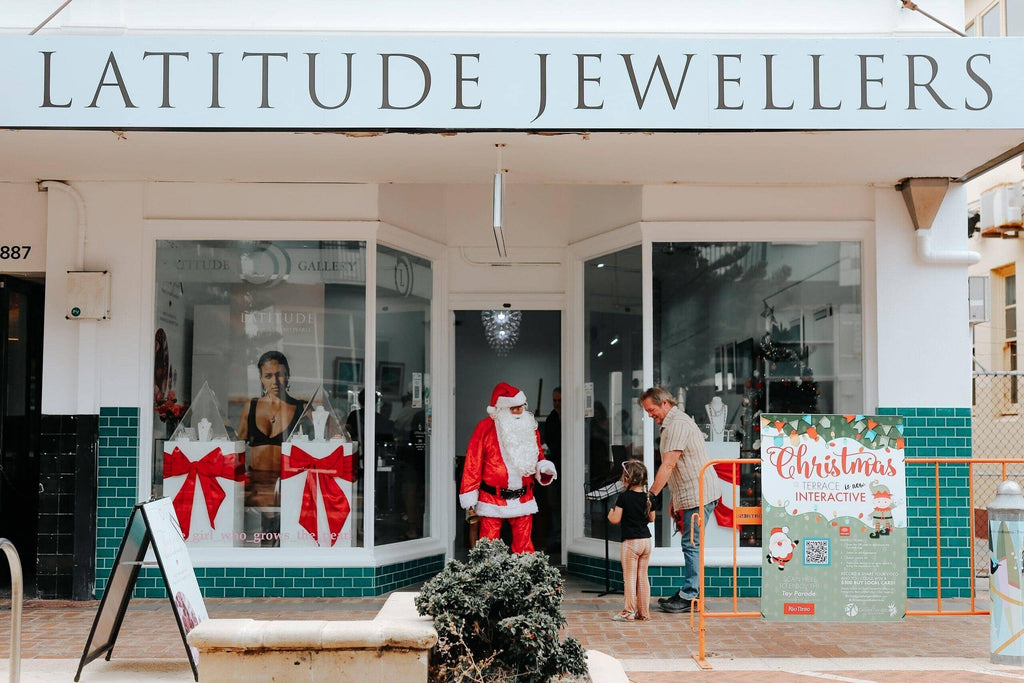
(501, 328)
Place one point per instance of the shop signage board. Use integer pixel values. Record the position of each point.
(834, 512)
(426, 81)
(151, 524)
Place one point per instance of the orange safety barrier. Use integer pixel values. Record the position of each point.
(700, 613)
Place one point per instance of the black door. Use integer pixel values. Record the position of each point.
(21, 359)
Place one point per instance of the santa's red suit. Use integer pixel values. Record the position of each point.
(499, 472)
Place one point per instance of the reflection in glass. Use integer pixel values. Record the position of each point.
(401, 438)
(263, 323)
(613, 365)
(747, 327)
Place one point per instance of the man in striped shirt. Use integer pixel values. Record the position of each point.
(683, 454)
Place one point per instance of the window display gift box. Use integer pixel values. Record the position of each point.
(204, 475)
(317, 480)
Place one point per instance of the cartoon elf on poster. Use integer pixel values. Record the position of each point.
(882, 514)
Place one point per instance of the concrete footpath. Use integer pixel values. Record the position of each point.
(918, 649)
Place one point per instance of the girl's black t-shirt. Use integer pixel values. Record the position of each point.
(634, 518)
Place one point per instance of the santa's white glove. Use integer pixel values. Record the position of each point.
(546, 472)
(469, 499)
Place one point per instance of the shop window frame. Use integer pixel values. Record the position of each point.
(373, 234)
(648, 234)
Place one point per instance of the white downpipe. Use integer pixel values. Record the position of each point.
(958, 257)
(79, 208)
(87, 396)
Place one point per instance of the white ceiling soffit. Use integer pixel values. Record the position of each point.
(818, 158)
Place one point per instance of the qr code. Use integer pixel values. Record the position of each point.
(816, 551)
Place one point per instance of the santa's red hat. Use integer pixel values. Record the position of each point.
(780, 530)
(505, 396)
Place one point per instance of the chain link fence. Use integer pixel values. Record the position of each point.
(997, 428)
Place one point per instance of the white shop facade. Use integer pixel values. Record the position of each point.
(717, 216)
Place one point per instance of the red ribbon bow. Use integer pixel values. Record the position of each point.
(321, 474)
(212, 465)
(728, 472)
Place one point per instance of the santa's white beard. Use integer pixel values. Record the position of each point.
(517, 435)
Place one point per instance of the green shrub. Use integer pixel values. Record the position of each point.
(498, 617)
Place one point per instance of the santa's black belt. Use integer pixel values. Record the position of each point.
(507, 494)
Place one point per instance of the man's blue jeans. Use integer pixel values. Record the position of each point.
(691, 551)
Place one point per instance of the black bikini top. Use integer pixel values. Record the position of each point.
(258, 438)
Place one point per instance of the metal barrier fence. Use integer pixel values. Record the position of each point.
(984, 476)
(997, 431)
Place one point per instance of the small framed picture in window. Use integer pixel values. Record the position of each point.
(348, 372)
(389, 379)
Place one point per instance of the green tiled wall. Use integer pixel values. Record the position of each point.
(298, 582)
(937, 433)
(929, 433)
(117, 484)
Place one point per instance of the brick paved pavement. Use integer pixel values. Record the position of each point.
(659, 651)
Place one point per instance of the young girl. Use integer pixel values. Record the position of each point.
(633, 510)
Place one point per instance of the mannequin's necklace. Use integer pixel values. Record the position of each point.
(273, 418)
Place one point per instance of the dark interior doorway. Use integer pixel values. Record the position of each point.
(532, 364)
(21, 360)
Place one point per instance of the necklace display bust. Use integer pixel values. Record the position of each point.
(717, 412)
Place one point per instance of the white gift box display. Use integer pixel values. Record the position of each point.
(316, 493)
(204, 479)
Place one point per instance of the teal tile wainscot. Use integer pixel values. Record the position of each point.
(929, 433)
(117, 485)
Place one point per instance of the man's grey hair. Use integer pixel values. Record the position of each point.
(656, 394)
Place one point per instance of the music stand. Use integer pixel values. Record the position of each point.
(603, 494)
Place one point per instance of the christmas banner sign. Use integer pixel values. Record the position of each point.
(834, 534)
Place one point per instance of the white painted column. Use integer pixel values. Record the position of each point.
(923, 338)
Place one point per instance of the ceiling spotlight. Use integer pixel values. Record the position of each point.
(496, 206)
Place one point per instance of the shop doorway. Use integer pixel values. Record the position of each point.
(21, 360)
(533, 364)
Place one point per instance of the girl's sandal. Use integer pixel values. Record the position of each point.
(624, 616)
(639, 618)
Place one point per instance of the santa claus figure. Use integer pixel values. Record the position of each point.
(780, 547)
(503, 460)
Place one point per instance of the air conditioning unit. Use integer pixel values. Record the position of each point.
(1001, 209)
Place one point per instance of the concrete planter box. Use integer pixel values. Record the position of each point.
(394, 647)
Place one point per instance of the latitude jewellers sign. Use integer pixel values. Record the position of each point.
(510, 82)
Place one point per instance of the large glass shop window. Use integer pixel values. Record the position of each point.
(613, 366)
(402, 404)
(751, 327)
(259, 351)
